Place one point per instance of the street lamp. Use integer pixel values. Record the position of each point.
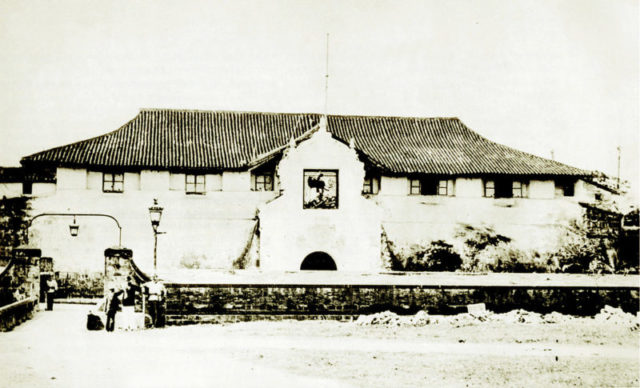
(74, 228)
(155, 214)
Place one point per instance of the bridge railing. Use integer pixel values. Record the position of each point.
(15, 313)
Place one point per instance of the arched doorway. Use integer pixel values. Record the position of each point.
(318, 261)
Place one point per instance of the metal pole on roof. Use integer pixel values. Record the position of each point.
(619, 151)
(326, 79)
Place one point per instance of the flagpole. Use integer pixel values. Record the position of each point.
(326, 79)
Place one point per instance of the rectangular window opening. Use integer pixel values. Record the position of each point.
(27, 188)
(518, 191)
(371, 185)
(263, 181)
(195, 184)
(430, 186)
(567, 187)
(489, 189)
(112, 182)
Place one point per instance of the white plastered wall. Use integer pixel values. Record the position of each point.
(350, 234)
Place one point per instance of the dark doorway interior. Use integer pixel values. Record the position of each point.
(318, 261)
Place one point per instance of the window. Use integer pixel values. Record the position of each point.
(371, 185)
(443, 188)
(430, 186)
(195, 184)
(489, 189)
(517, 189)
(504, 188)
(112, 182)
(566, 187)
(415, 187)
(263, 181)
(27, 188)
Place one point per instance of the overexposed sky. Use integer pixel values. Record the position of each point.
(534, 75)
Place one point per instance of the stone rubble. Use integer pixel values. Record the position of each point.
(422, 318)
(619, 317)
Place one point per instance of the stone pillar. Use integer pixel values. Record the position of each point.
(26, 271)
(117, 267)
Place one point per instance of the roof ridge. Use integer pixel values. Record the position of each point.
(186, 110)
(228, 139)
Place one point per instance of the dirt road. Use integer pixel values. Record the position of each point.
(54, 349)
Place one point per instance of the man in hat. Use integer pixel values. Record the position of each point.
(113, 305)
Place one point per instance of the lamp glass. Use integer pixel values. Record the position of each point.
(155, 213)
(74, 229)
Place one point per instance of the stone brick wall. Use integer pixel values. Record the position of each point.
(193, 303)
(80, 285)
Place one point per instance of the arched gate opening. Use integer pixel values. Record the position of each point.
(318, 261)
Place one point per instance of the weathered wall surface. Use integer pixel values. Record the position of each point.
(213, 230)
(202, 231)
(530, 223)
(198, 303)
(350, 234)
(10, 190)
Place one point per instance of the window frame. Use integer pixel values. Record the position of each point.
(488, 188)
(413, 186)
(195, 184)
(441, 186)
(517, 192)
(369, 186)
(260, 180)
(112, 182)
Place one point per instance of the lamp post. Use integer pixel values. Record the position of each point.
(155, 214)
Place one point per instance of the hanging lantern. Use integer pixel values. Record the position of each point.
(74, 228)
(155, 214)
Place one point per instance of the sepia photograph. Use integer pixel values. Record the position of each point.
(309, 193)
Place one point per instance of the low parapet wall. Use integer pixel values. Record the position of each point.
(219, 302)
(15, 313)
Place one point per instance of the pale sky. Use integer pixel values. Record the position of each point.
(533, 75)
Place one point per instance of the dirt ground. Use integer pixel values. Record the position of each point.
(54, 349)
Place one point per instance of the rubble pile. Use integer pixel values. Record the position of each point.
(422, 318)
(619, 317)
(521, 316)
(388, 318)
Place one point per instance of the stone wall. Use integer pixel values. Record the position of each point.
(15, 313)
(193, 303)
(20, 279)
(88, 285)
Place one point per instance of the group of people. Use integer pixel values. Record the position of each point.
(124, 299)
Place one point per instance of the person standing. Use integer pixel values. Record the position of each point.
(128, 314)
(113, 305)
(130, 295)
(52, 287)
(156, 294)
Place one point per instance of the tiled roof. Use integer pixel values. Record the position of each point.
(183, 139)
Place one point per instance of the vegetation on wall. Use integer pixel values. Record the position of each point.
(477, 240)
(435, 256)
(13, 223)
(481, 249)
